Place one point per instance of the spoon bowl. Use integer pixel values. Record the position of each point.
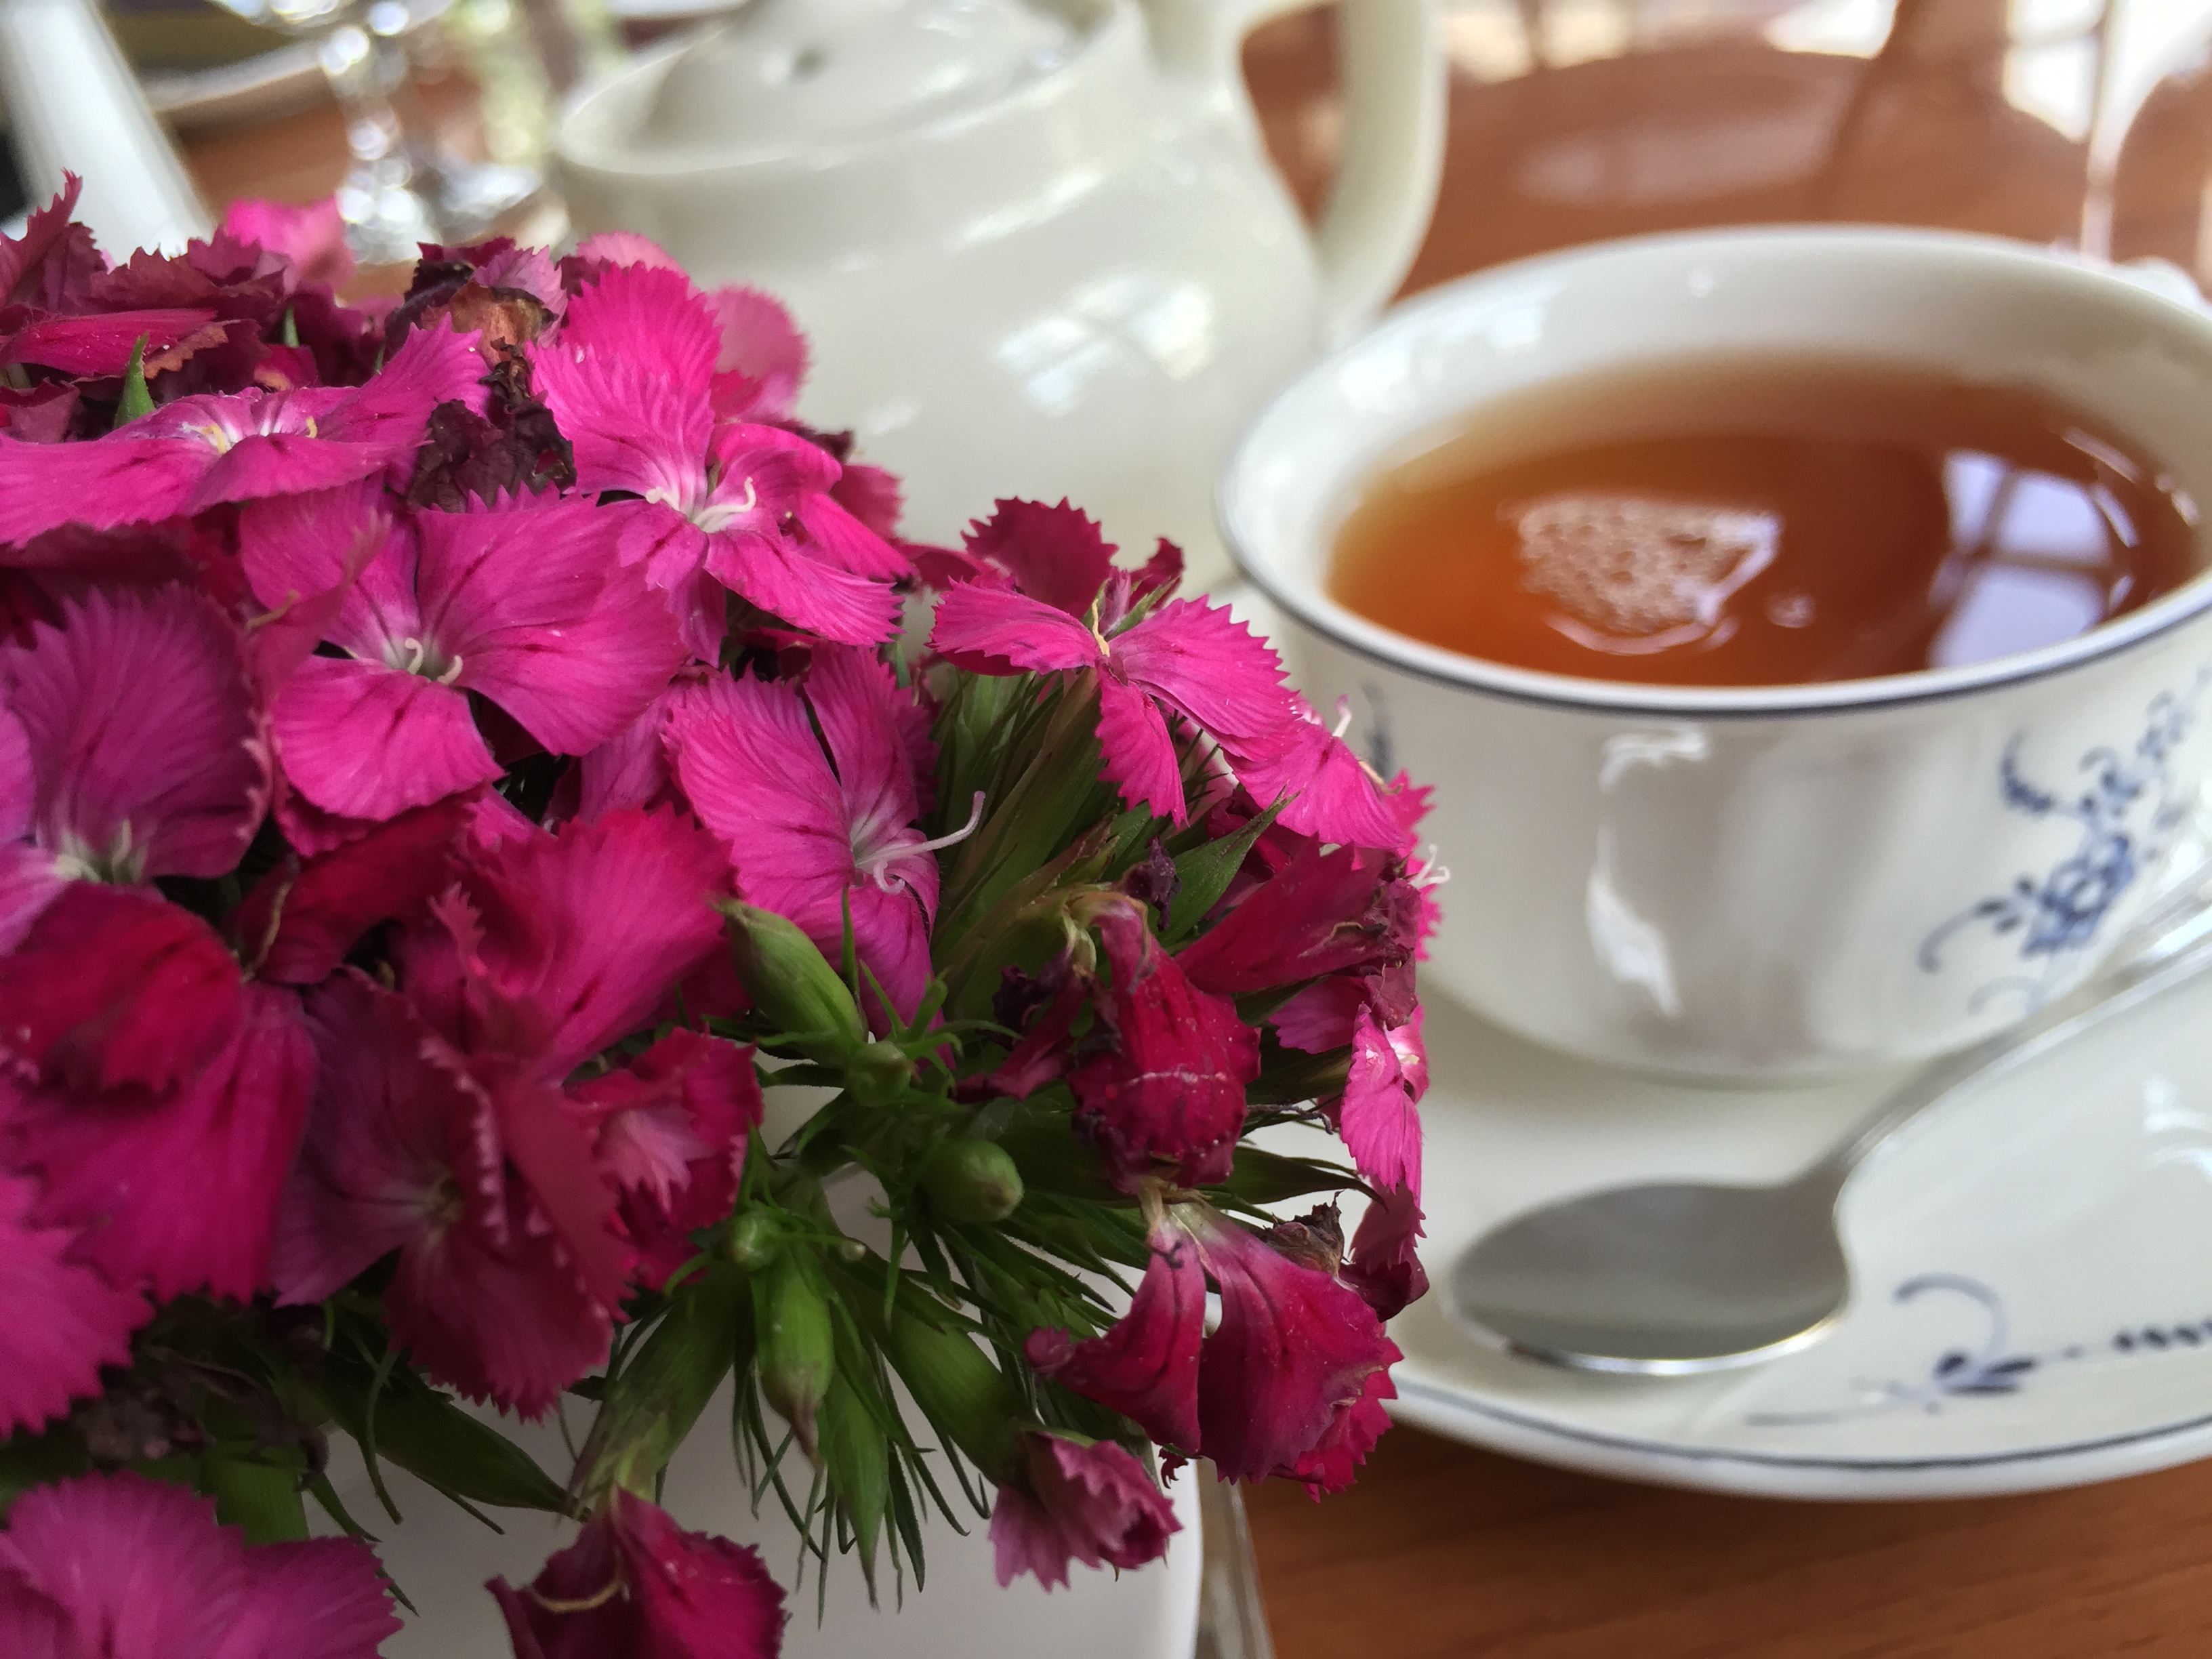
(1676, 1277)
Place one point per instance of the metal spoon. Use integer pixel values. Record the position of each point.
(1679, 1277)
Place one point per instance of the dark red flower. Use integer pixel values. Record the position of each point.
(1145, 1366)
(634, 1585)
(1076, 1502)
(1163, 1092)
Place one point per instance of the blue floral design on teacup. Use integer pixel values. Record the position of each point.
(2128, 808)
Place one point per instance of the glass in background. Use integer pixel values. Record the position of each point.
(446, 105)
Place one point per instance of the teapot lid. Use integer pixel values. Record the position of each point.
(784, 76)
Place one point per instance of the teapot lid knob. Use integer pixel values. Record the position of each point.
(785, 76)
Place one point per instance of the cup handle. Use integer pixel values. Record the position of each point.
(1394, 82)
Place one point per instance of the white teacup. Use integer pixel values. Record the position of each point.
(1766, 882)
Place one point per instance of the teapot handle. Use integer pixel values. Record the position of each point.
(1395, 80)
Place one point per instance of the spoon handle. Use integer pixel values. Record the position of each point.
(2171, 944)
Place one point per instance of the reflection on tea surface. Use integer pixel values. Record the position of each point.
(1761, 521)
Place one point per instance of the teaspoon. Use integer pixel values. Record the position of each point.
(1679, 1276)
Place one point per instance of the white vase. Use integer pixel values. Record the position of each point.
(441, 1556)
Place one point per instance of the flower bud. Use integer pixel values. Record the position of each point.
(798, 1345)
(972, 1181)
(878, 1074)
(966, 1397)
(791, 983)
(752, 1240)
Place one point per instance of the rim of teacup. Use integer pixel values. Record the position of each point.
(1304, 600)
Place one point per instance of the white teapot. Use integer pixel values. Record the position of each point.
(1038, 247)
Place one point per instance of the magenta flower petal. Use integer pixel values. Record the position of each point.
(623, 247)
(1330, 795)
(365, 741)
(127, 790)
(1381, 1129)
(390, 412)
(843, 540)
(29, 882)
(803, 836)
(297, 548)
(137, 1569)
(388, 1126)
(649, 317)
(1146, 1364)
(1139, 754)
(1292, 1356)
(321, 1598)
(1322, 913)
(19, 775)
(589, 929)
(1167, 1097)
(1351, 1434)
(760, 359)
(100, 345)
(864, 716)
(135, 1171)
(804, 592)
(1320, 1017)
(1207, 665)
(671, 1131)
(634, 1585)
(64, 1320)
(535, 616)
(297, 925)
(628, 379)
(283, 463)
(632, 768)
(110, 989)
(404, 1151)
(311, 237)
(115, 480)
(1385, 1267)
(1090, 1503)
(1055, 555)
(52, 263)
(994, 631)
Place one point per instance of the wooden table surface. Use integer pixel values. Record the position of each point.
(1442, 1552)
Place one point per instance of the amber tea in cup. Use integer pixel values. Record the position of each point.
(1762, 520)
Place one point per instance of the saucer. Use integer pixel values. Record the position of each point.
(2031, 1267)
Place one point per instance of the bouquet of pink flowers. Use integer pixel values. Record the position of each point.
(453, 757)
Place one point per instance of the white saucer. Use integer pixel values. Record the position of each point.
(2032, 1304)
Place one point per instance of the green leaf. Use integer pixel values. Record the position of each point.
(667, 1382)
(326, 1495)
(1263, 1178)
(1051, 1159)
(136, 400)
(856, 1457)
(261, 1497)
(291, 333)
(1203, 875)
(1290, 1076)
(429, 1434)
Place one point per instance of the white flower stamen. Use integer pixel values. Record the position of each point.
(879, 864)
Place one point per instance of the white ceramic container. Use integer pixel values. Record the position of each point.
(1038, 249)
(1759, 885)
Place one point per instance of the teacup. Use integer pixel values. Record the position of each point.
(1763, 884)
